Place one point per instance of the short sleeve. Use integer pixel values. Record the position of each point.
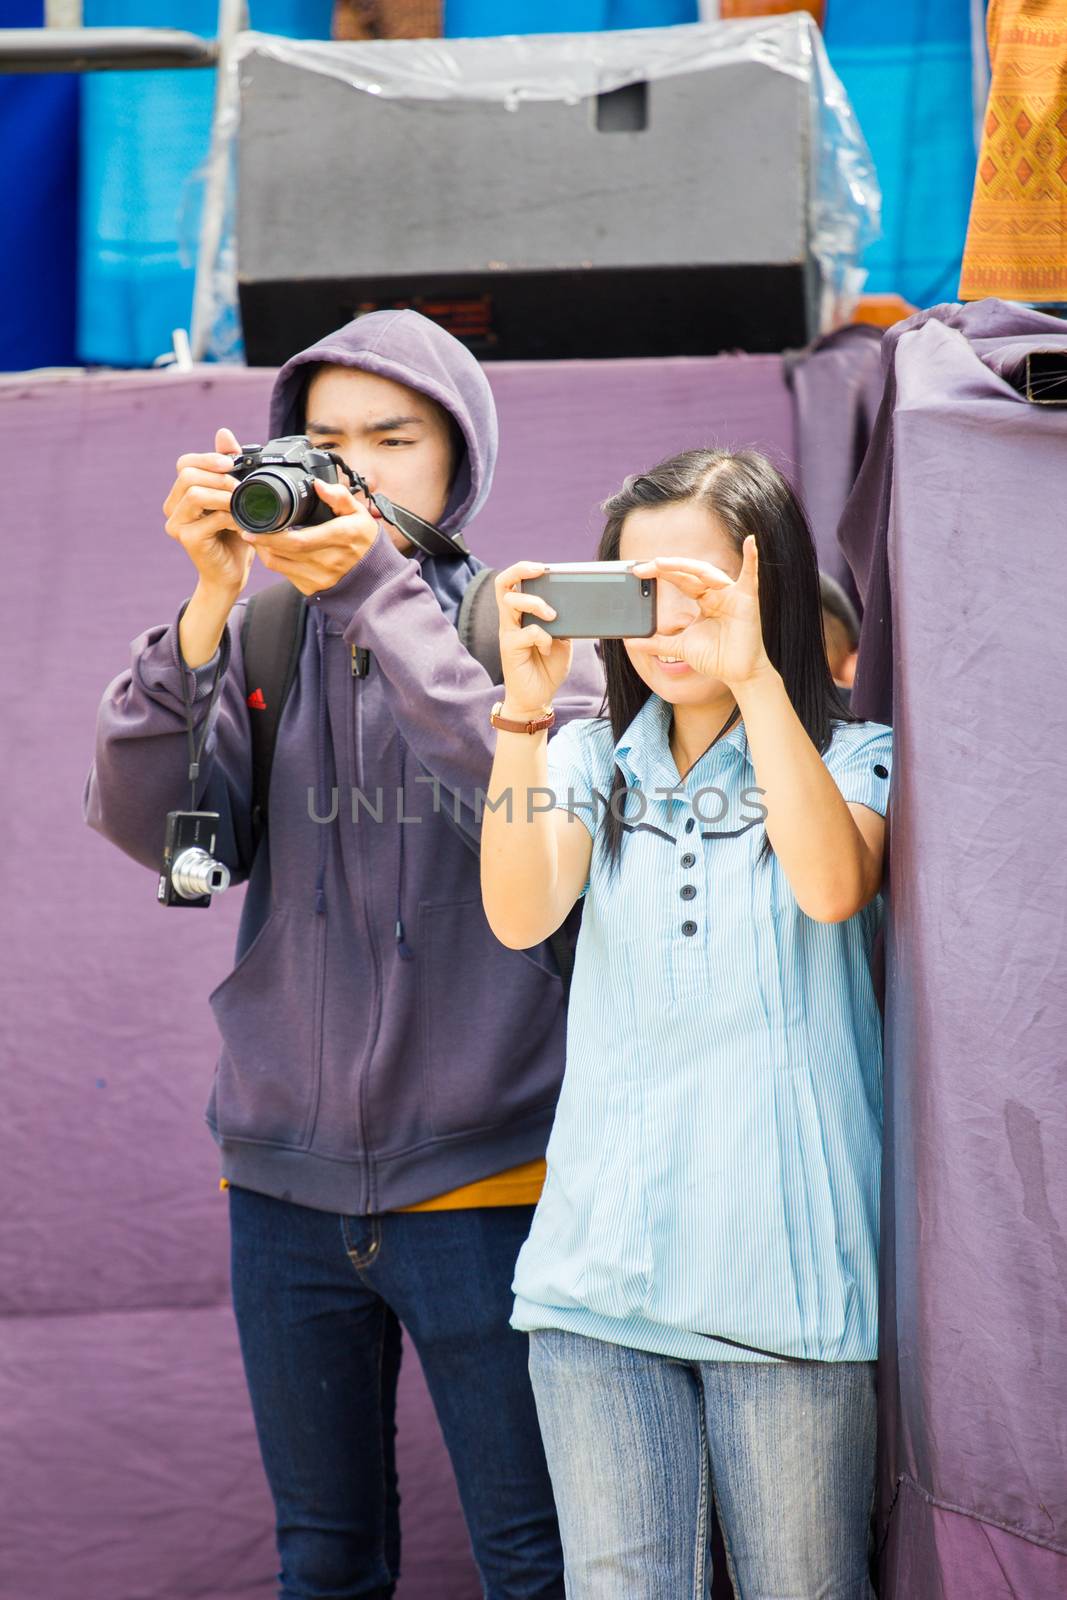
(860, 761)
(571, 775)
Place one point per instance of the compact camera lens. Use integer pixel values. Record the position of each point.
(263, 503)
(195, 874)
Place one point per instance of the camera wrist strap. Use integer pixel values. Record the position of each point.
(197, 751)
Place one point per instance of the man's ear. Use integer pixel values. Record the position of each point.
(846, 671)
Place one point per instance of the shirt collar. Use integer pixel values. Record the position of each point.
(644, 751)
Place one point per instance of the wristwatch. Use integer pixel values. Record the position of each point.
(508, 725)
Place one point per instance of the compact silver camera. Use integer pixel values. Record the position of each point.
(191, 875)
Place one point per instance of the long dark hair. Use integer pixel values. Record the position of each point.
(745, 494)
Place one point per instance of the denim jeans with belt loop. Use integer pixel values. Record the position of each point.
(320, 1300)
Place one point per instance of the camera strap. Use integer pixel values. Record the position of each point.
(426, 536)
(196, 751)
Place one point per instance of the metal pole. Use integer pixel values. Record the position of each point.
(102, 49)
(232, 19)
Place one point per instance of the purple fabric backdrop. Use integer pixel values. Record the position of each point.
(128, 1468)
(837, 389)
(956, 533)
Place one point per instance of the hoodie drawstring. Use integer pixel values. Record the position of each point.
(320, 877)
(403, 949)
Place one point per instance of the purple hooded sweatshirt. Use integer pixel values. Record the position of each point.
(379, 1046)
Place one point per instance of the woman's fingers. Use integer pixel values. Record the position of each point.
(520, 570)
(680, 564)
(538, 639)
(226, 442)
(505, 581)
(682, 570)
(685, 582)
(518, 602)
(748, 578)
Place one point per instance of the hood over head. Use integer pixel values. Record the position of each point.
(408, 348)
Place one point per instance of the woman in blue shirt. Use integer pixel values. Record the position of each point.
(700, 1283)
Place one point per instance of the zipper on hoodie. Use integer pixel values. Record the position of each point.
(355, 726)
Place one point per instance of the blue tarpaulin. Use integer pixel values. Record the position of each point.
(470, 19)
(38, 199)
(145, 138)
(907, 68)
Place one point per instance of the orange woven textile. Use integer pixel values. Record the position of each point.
(769, 8)
(1017, 239)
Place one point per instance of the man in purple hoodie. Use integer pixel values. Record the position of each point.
(389, 1070)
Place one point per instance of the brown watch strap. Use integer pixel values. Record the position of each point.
(509, 725)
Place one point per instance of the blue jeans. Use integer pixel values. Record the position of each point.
(320, 1300)
(637, 1445)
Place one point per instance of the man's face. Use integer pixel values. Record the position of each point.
(399, 440)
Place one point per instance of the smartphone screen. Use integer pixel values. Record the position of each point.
(595, 600)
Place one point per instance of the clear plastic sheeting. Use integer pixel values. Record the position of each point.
(844, 201)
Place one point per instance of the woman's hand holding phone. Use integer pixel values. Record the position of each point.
(534, 663)
(726, 640)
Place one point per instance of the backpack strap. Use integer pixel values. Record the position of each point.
(478, 622)
(271, 636)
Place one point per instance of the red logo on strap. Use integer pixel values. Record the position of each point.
(256, 700)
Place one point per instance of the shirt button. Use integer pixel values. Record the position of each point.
(689, 891)
(690, 825)
(689, 928)
(880, 771)
(689, 859)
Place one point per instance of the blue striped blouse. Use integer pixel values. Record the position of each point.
(713, 1170)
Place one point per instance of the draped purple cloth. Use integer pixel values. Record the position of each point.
(128, 1465)
(957, 534)
(837, 389)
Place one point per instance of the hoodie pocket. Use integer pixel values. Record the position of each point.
(268, 1013)
(491, 1021)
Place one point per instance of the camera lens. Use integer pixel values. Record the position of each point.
(195, 874)
(646, 586)
(264, 503)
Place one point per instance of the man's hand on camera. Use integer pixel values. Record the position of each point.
(318, 557)
(197, 510)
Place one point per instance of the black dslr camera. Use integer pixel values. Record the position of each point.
(191, 875)
(277, 491)
(277, 488)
